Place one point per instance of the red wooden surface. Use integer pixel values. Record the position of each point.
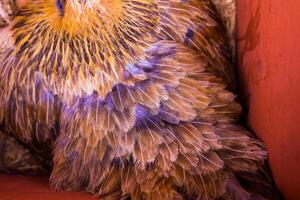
(269, 71)
(34, 188)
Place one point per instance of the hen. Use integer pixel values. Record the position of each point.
(131, 99)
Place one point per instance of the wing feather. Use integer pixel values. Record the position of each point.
(173, 126)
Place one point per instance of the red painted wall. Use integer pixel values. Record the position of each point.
(269, 71)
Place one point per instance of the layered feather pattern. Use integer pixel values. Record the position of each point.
(170, 130)
(133, 98)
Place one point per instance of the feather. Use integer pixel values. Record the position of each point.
(131, 99)
(209, 163)
(235, 191)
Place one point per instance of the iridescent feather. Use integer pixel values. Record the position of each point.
(134, 96)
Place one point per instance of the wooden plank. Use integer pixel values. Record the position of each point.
(269, 76)
(34, 188)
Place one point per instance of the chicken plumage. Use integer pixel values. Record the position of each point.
(133, 98)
